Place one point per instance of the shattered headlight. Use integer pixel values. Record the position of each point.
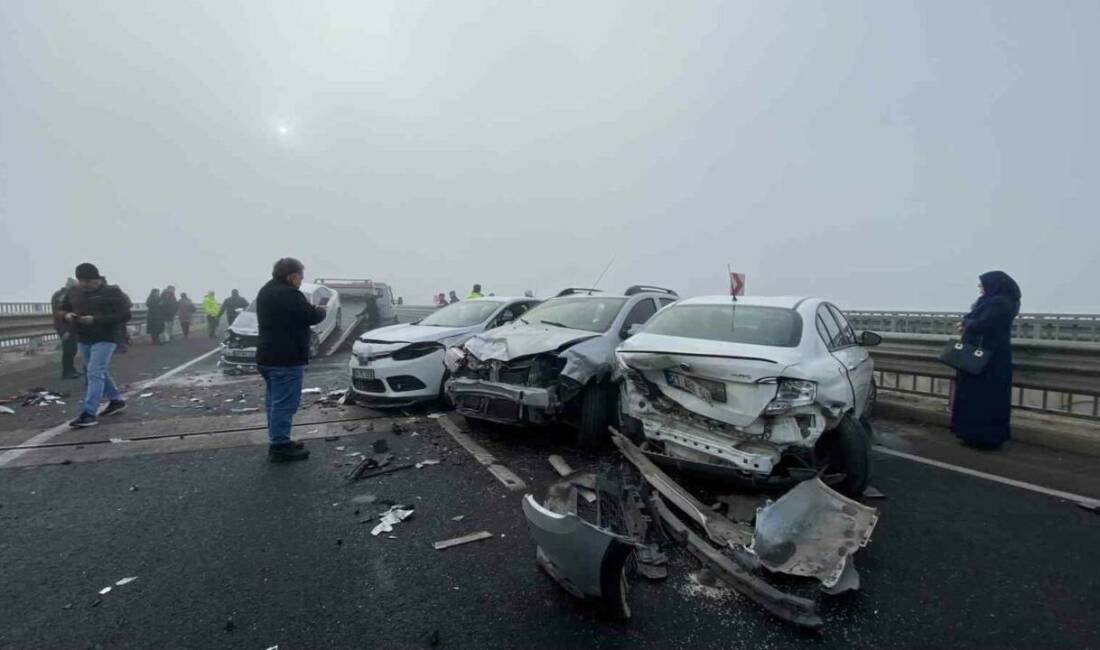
(790, 394)
(454, 358)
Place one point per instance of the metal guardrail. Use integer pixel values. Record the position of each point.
(30, 324)
(1039, 327)
(1056, 377)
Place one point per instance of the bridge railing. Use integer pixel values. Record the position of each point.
(1040, 327)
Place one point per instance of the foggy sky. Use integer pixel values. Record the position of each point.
(880, 154)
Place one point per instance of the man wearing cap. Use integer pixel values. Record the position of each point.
(99, 313)
(285, 317)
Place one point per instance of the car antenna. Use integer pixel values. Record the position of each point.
(609, 263)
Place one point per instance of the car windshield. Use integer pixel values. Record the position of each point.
(732, 323)
(590, 314)
(462, 314)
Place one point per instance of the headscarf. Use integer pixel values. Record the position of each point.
(997, 284)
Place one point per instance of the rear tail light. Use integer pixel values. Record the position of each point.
(791, 393)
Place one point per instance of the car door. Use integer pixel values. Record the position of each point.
(840, 344)
(857, 361)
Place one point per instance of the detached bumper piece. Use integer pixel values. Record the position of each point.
(810, 531)
(497, 401)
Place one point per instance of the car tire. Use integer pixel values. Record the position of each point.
(596, 408)
(848, 450)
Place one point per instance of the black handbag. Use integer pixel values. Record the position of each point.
(966, 357)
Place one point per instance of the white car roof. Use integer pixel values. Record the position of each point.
(787, 302)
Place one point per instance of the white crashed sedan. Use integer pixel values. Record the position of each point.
(402, 364)
(766, 390)
(239, 346)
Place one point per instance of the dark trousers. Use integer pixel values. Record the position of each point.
(284, 395)
(211, 326)
(185, 325)
(68, 354)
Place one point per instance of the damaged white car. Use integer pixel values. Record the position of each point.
(555, 363)
(239, 346)
(402, 364)
(768, 391)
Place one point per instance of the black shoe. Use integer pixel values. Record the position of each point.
(286, 452)
(298, 444)
(85, 420)
(72, 374)
(114, 407)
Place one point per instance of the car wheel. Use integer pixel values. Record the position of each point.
(444, 399)
(847, 449)
(596, 408)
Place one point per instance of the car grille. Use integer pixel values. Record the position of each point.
(369, 385)
(242, 341)
(405, 383)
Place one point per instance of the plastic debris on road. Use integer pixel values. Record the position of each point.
(104, 591)
(395, 515)
(6, 411)
(465, 539)
(247, 409)
(458, 518)
(311, 391)
(144, 395)
(426, 462)
(125, 581)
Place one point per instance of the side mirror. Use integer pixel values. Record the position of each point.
(869, 339)
(628, 332)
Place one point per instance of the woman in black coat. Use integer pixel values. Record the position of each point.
(980, 414)
(154, 317)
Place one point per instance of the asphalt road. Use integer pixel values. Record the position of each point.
(215, 534)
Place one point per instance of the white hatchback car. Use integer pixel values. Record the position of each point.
(239, 347)
(770, 390)
(402, 364)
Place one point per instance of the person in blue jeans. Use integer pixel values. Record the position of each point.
(99, 313)
(282, 353)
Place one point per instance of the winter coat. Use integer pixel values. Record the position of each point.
(108, 305)
(285, 317)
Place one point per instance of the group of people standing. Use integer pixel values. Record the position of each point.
(162, 308)
(442, 300)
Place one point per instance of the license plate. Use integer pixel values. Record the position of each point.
(240, 354)
(704, 389)
(362, 373)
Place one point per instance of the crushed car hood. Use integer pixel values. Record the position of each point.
(409, 333)
(521, 340)
(246, 324)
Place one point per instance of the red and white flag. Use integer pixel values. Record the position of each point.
(737, 284)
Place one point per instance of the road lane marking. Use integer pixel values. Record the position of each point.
(1087, 502)
(482, 455)
(49, 434)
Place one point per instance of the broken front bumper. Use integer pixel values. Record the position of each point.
(499, 402)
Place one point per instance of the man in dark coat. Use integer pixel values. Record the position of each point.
(65, 332)
(232, 307)
(982, 404)
(99, 313)
(169, 305)
(285, 317)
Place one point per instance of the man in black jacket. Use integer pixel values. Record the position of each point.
(232, 307)
(285, 317)
(99, 313)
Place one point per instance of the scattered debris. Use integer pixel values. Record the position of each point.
(125, 581)
(812, 531)
(229, 625)
(564, 470)
(247, 409)
(38, 396)
(96, 602)
(395, 515)
(6, 411)
(742, 507)
(133, 488)
(364, 498)
(311, 391)
(465, 539)
(396, 427)
(104, 591)
(426, 462)
(340, 448)
(458, 518)
(871, 492)
(145, 395)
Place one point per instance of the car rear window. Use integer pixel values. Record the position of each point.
(733, 323)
